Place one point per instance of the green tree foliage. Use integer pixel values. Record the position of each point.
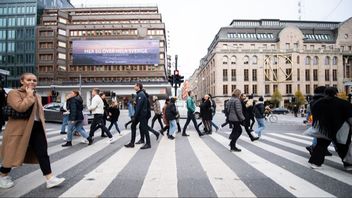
(276, 98)
(300, 100)
(342, 95)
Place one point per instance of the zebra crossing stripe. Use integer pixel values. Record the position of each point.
(161, 179)
(28, 182)
(300, 136)
(298, 148)
(225, 182)
(326, 170)
(292, 183)
(94, 183)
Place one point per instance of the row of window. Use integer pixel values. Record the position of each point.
(86, 68)
(134, 21)
(288, 90)
(251, 36)
(48, 80)
(17, 59)
(19, 21)
(87, 33)
(27, 9)
(17, 34)
(115, 12)
(274, 60)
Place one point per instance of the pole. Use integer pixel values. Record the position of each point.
(80, 84)
(174, 75)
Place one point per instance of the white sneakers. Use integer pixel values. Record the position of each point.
(111, 140)
(54, 181)
(84, 141)
(6, 182)
(313, 166)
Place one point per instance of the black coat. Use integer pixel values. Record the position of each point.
(171, 111)
(141, 106)
(115, 113)
(259, 110)
(205, 110)
(75, 106)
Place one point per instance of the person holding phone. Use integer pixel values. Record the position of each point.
(24, 140)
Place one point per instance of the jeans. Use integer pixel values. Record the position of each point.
(116, 126)
(173, 127)
(261, 126)
(190, 116)
(78, 125)
(64, 123)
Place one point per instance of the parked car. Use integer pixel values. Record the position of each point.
(182, 109)
(280, 111)
(52, 113)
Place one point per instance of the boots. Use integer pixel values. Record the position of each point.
(68, 143)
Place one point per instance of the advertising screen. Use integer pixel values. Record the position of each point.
(115, 52)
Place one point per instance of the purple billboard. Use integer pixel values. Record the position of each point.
(115, 52)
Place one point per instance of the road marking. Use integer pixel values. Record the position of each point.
(300, 136)
(94, 183)
(28, 182)
(292, 183)
(225, 182)
(161, 178)
(325, 170)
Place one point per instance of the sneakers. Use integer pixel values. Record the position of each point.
(68, 143)
(111, 140)
(63, 133)
(84, 141)
(54, 181)
(146, 146)
(6, 182)
(314, 166)
(130, 145)
(235, 149)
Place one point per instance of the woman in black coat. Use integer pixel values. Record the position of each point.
(114, 113)
(206, 113)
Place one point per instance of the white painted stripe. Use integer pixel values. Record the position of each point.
(47, 133)
(300, 136)
(230, 185)
(292, 183)
(325, 170)
(94, 183)
(297, 140)
(34, 179)
(161, 179)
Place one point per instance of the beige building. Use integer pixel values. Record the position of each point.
(260, 56)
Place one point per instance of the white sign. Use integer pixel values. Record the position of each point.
(5, 72)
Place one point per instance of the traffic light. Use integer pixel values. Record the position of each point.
(171, 80)
(179, 80)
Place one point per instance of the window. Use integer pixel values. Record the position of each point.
(275, 87)
(288, 89)
(45, 45)
(255, 60)
(254, 89)
(12, 22)
(2, 34)
(11, 34)
(275, 60)
(62, 44)
(254, 75)
(246, 75)
(62, 20)
(334, 60)
(246, 60)
(289, 74)
(267, 75)
(287, 45)
(315, 60)
(62, 32)
(62, 56)
(307, 75)
(298, 75)
(315, 86)
(246, 89)
(225, 60)
(224, 90)
(308, 60)
(275, 77)
(224, 75)
(45, 57)
(315, 74)
(307, 89)
(233, 87)
(327, 60)
(288, 60)
(233, 60)
(267, 89)
(295, 45)
(233, 75)
(11, 46)
(334, 75)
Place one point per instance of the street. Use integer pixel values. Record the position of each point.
(274, 166)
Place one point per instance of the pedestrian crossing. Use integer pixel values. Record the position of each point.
(193, 166)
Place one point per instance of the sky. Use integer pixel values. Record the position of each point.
(191, 25)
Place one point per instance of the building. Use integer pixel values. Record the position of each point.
(260, 56)
(113, 47)
(185, 89)
(18, 20)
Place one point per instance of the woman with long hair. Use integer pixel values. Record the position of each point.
(114, 113)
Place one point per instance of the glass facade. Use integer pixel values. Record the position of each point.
(18, 19)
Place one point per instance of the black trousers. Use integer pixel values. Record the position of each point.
(235, 134)
(253, 121)
(190, 116)
(157, 117)
(38, 144)
(143, 129)
(98, 123)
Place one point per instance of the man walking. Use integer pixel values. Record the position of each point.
(157, 112)
(97, 109)
(140, 116)
(191, 108)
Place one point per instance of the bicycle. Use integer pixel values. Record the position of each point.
(271, 117)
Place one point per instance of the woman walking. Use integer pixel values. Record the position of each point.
(165, 120)
(24, 139)
(171, 113)
(206, 114)
(114, 113)
(235, 117)
(259, 115)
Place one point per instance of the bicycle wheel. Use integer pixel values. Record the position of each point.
(273, 118)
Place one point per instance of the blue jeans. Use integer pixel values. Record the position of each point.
(261, 126)
(64, 123)
(116, 126)
(78, 125)
(173, 127)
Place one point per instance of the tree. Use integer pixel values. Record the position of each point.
(342, 95)
(300, 100)
(276, 98)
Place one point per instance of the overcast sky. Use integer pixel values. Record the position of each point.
(193, 24)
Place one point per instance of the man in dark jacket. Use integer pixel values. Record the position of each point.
(140, 116)
(259, 115)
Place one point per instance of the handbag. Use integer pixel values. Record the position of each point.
(342, 133)
(10, 112)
